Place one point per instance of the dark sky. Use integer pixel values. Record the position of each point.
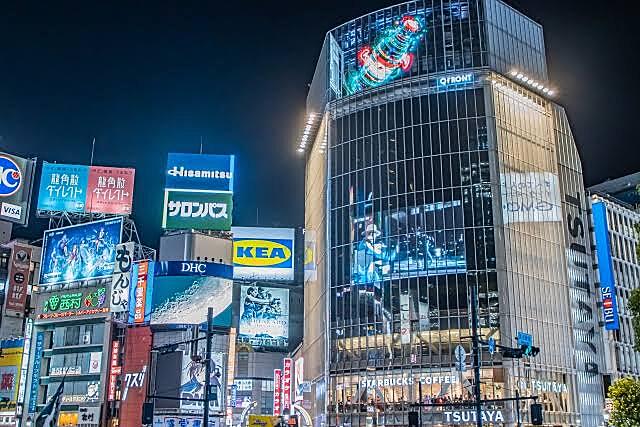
(145, 78)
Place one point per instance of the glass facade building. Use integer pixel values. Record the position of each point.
(436, 163)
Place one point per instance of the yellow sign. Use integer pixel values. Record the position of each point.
(262, 253)
(263, 421)
(10, 363)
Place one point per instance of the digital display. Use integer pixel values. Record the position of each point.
(425, 240)
(263, 253)
(264, 317)
(80, 252)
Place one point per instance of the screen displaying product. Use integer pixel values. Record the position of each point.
(424, 240)
(185, 300)
(263, 253)
(80, 252)
(264, 317)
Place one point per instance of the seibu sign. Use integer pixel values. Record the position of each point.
(406, 381)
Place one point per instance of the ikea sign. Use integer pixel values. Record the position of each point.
(263, 253)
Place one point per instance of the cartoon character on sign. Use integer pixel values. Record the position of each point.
(196, 372)
(390, 55)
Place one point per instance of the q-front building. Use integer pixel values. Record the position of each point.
(438, 161)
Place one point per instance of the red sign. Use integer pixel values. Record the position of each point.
(115, 369)
(141, 292)
(110, 190)
(16, 298)
(286, 385)
(277, 392)
(135, 375)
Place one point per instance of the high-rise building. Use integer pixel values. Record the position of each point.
(438, 162)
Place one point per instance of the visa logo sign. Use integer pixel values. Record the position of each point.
(270, 253)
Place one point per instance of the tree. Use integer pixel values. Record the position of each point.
(634, 307)
(625, 394)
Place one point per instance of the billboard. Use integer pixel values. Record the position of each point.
(71, 303)
(141, 292)
(10, 364)
(193, 379)
(205, 172)
(80, 252)
(135, 366)
(18, 280)
(605, 268)
(121, 278)
(530, 197)
(198, 210)
(185, 299)
(263, 253)
(264, 317)
(16, 182)
(80, 189)
(431, 243)
(192, 268)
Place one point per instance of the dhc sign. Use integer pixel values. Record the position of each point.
(456, 79)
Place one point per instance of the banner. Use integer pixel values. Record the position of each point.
(208, 172)
(263, 253)
(286, 385)
(405, 320)
(18, 280)
(114, 370)
(607, 280)
(80, 252)
(16, 183)
(86, 189)
(140, 295)
(197, 210)
(183, 421)
(264, 317)
(277, 392)
(121, 278)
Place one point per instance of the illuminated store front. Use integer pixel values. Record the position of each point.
(437, 162)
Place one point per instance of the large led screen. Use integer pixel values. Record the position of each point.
(80, 252)
(263, 253)
(185, 300)
(420, 241)
(264, 317)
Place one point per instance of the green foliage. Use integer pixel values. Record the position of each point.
(625, 394)
(634, 307)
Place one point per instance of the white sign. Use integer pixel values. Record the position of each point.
(537, 386)
(65, 370)
(183, 421)
(406, 381)
(405, 320)
(88, 416)
(244, 385)
(10, 210)
(193, 379)
(530, 197)
(456, 79)
(460, 417)
(121, 277)
(95, 362)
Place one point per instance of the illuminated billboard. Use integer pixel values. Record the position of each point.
(141, 291)
(432, 243)
(204, 172)
(264, 317)
(10, 365)
(263, 253)
(16, 182)
(86, 189)
(607, 281)
(185, 299)
(80, 252)
(72, 303)
(197, 210)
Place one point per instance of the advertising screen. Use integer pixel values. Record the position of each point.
(80, 189)
(431, 243)
(263, 253)
(16, 182)
(193, 380)
(80, 252)
(200, 210)
(185, 300)
(264, 317)
(209, 172)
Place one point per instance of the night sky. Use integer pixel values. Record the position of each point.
(146, 78)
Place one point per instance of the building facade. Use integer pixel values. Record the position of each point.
(437, 162)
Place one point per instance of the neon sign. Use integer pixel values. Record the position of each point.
(390, 55)
(456, 79)
(74, 304)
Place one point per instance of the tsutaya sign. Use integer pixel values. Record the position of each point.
(459, 417)
(543, 386)
(402, 381)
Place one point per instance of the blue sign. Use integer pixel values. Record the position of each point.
(35, 372)
(456, 79)
(10, 176)
(234, 396)
(605, 267)
(193, 268)
(80, 252)
(203, 172)
(525, 339)
(492, 345)
(141, 292)
(63, 187)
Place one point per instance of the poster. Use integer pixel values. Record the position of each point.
(264, 317)
(193, 379)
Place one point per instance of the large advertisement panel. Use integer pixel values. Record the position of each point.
(199, 210)
(185, 300)
(121, 279)
(135, 376)
(19, 265)
(208, 172)
(10, 364)
(605, 268)
(72, 303)
(263, 253)
(16, 183)
(80, 188)
(193, 380)
(80, 252)
(264, 317)
(425, 240)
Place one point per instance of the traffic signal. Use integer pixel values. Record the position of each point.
(529, 350)
(536, 414)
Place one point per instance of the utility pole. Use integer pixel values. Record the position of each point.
(476, 353)
(207, 367)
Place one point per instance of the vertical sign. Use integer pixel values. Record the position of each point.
(299, 380)
(405, 320)
(140, 294)
(605, 268)
(277, 392)
(35, 372)
(16, 297)
(286, 385)
(121, 278)
(114, 369)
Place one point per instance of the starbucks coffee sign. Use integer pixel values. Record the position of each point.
(407, 381)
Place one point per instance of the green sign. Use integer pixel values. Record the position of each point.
(80, 303)
(198, 210)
